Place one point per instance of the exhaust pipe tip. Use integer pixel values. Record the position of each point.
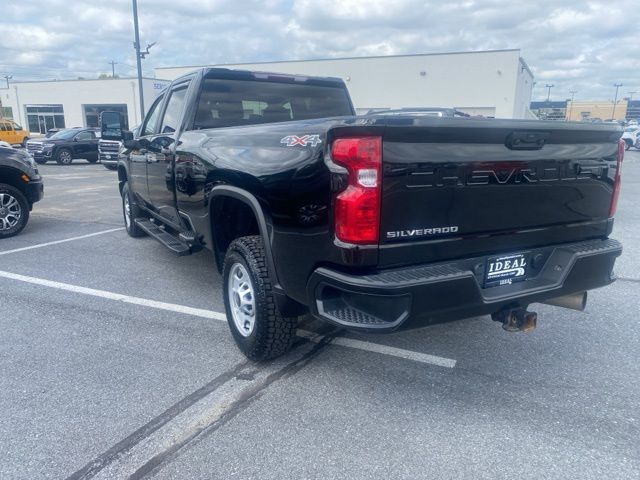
(574, 301)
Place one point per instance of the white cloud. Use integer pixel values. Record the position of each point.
(575, 44)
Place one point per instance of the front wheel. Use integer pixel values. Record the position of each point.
(258, 328)
(14, 211)
(130, 211)
(64, 157)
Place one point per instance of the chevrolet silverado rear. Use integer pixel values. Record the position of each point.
(463, 217)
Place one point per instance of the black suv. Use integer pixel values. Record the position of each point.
(20, 187)
(66, 145)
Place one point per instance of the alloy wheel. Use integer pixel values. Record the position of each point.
(10, 211)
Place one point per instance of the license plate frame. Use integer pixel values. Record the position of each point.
(506, 269)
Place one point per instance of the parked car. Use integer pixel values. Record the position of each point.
(12, 133)
(630, 136)
(370, 223)
(20, 187)
(66, 145)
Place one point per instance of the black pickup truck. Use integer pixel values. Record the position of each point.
(20, 187)
(374, 223)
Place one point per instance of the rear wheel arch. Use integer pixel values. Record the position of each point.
(234, 213)
(225, 196)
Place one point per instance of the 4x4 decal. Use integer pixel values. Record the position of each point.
(293, 140)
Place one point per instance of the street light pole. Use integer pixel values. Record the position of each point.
(572, 92)
(549, 86)
(631, 94)
(9, 77)
(615, 100)
(136, 45)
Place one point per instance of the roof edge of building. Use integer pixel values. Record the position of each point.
(87, 80)
(340, 58)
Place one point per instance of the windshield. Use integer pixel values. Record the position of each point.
(64, 134)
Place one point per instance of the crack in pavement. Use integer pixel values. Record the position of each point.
(151, 446)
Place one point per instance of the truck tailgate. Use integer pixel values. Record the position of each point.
(451, 187)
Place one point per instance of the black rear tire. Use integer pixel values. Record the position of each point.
(131, 211)
(272, 333)
(9, 196)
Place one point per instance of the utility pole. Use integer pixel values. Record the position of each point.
(113, 64)
(9, 77)
(572, 92)
(615, 100)
(549, 86)
(136, 45)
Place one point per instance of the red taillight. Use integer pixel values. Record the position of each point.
(357, 212)
(616, 179)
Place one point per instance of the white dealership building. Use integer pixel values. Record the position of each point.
(43, 105)
(495, 83)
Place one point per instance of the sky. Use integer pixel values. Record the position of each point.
(585, 46)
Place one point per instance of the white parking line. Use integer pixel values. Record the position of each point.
(200, 312)
(40, 245)
(383, 349)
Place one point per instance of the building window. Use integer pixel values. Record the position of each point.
(42, 118)
(6, 112)
(92, 113)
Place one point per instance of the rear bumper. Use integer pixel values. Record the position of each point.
(416, 296)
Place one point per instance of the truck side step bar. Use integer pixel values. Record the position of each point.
(178, 245)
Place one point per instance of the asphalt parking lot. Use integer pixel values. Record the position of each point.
(116, 363)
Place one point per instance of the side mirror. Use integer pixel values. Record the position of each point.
(111, 126)
(75, 139)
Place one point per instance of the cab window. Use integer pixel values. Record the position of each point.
(16, 127)
(84, 136)
(150, 123)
